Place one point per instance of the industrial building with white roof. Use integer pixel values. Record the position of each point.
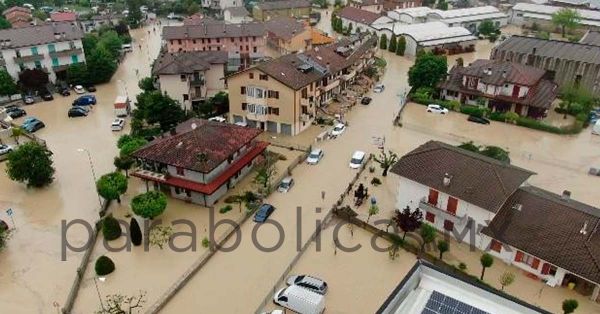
(469, 18)
(528, 13)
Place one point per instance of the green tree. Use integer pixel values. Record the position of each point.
(442, 5)
(396, 244)
(383, 42)
(5, 234)
(111, 229)
(102, 65)
(386, 160)
(349, 29)
(569, 306)
(111, 41)
(131, 146)
(486, 28)
(566, 18)
(77, 74)
(193, 8)
(16, 133)
(124, 163)
(149, 205)
(147, 84)
(136, 232)
(4, 23)
(393, 44)
(373, 210)
(104, 266)
(428, 234)
(470, 146)
(339, 25)
(496, 153)
(428, 70)
(407, 220)
(572, 95)
(135, 15)
(264, 175)
(89, 42)
(7, 84)
(443, 246)
(486, 261)
(31, 163)
(111, 186)
(506, 279)
(40, 15)
(155, 107)
(401, 46)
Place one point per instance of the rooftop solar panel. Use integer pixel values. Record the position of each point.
(440, 303)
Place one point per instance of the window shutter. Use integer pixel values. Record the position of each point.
(545, 269)
(535, 264)
(519, 256)
(243, 90)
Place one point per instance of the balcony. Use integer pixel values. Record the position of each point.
(30, 58)
(66, 52)
(306, 117)
(257, 117)
(330, 86)
(197, 81)
(457, 220)
(306, 102)
(349, 76)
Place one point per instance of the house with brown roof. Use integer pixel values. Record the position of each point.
(266, 10)
(18, 16)
(503, 85)
(490, 205)
(244, 43)
(63, 16)
(236, 15)
(200, 160)
(282, 95)
(287, 35)
(380, 6)
(359, 20)
(190, 76)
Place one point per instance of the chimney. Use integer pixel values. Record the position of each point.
(584, 228)
(447, 179)
(489, 71)
(533, 50)
(566, 195)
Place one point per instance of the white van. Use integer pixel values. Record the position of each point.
(357, 159)
(300, 300)
(596, 128)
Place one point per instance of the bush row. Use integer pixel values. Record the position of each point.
(538, 125)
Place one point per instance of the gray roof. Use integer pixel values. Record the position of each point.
(214, 29)
(187, 62)
(41, 34)
(591, 38)
(284, 4)
(284, 27)
(551, 48)
(238, 11)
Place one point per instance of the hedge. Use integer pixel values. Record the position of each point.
(474, 111)
(111, 229)
(538, 125)
(104, 266)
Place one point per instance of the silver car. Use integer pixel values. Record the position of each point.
(315, 156)
(5, 149)
(286, 184)
(307, 282)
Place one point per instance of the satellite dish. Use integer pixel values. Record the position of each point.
(194, 126)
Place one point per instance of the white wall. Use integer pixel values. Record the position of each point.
(174, 87)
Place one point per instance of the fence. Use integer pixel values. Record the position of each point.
(28, 135)
(289, 169)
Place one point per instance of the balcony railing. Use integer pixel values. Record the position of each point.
(66, 52)
(306, 102)
(458, 220)
(330, 86)
(349, 76)
(257, 117)
(30, 58)
(306, 117)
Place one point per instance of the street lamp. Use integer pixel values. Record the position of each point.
(98, 290)
(81, 150)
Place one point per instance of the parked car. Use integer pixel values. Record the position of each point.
(286, 184)
(307, 282)
(338, 129)
(46, 95)
(86, 100)
(315, 156)
(358, 157)
(77, 112)
(379, 87)
(5, 149)
(118, 124)
(64, 91)
(263, 212)
(29, 120)
(15, 112)
(300, 300)
(477, 119)
(436, 109)
(366, 100)
(217, 119)
(79, 89)
(34, 126)
(28, 99)
(90, 88)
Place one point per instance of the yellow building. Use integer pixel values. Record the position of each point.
(287, 35)
(267, 10)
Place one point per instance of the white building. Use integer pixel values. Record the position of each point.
(50, 47)
(469, 18)
(527, 14)
(222, 4)
(236, 15)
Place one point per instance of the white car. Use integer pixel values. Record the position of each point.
(79, 89)
(308, 282)
(436, 109)
(118, 124)
(286, 184)
(338, 129)
(315, 156)
(357, 159)
(5, 149)
(379, 87)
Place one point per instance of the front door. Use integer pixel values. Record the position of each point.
(516, 90)
(433, 197)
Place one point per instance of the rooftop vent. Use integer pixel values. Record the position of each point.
(584, 228)
(566, 195)
(179, 145)
(304, 68)
(447, 179)
(517, 207)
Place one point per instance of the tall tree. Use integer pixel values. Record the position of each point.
(407, 220)
(131, 146)
(265, 173)
(111, 186)
(571, 94)
(16, 133)
(428, 234)
(89, 42)
(149, 205)
(486, 28)
(443, 246)
(4, 23)
(386, 160)
(135, 14)
(147, 84)
(77, 74)
(111, 41)
(506, 279)
(428, 70)
(393, 43)
(566, 18)
(155, 107)
(31, 163)
(124, 163)
(136, 232)
(486, 261)
(383, 42)
(401, 46)
(396, 243)
(7, 84)
(102, 65)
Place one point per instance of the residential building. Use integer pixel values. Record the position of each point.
(525, 14)
(581, 4)
(430, 289)
(200, 160)
(266, 10)
(469, 18)
(282, 95)
(244, 43)
(63, 16)
(502, 85)
(287, 35)
(49, 47)
(236, 15)
(567, 63)
(591, 37)
(380, 6)
(190, 76)
(318, 38)
(18, 16)
(359, 19)
(95, 22)
(222, 4)
(490, 205)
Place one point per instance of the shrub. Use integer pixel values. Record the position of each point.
(375, 181)
(569, 306)
(473, 110)
(582, 117)
(104, 266)
(511, 117)
(225, 209)
(453, 105)
(149, 204)
(371, 169)
(205, 242)
(111, 229)
(136, 232)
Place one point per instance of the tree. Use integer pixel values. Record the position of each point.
(496, 153)
(408, 221)
(135, 15)
(442, 5)
(339, 25)
(397, 242)
(7, 84)
(349, 29)
(124, 163)
(149, 205)
(5, 234)
(386, 160)
(506, 279)
(4, 23)
(470, 146)
(33, 79)
(393, 44)
(136, 232)
(132, 144)
(111, 41)
(77, 74)
(102, 65)
(40, 15)
(571, 95)
(123, 31)
(120, 304)
(383, 42)
(443, 246)
(111, 186)
(401, 46)
(31, 163)
(569, 306)
(486, 28)
(566, 18)
(89, 42)
(193, 8)
(154, 107)
(428, 234)
(147, 84)
(111, 229)
(486, 261)
(16, 133)
(373, 210)
(428, 70)
(160, 235)
(104, 266)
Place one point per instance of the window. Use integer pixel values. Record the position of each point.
(194, 41)
(430, 217)
(38, 65)
(452, 204)
(247, 49)
(448, 225)
(304, 93)
(251, 75)
(183, 77)
(243, 90)
(218, 40)
(274, 111)
(496, 246)
(241, 48)
(253, 38)
(254, 49)
(51, 48)
(186, 97)
(273, 94)
(202, 40)
(263, 77)
(527, 259)
(209, 40)
(74, 59)
(188, 193)
(34, 51)
(180, 171)
(257, 109)
(304, 110)
(219, 48)
(179, 41)
(72, 45)
(433, 197)
(244, 106)
(232, 40)
(55, 62)
(256, 92)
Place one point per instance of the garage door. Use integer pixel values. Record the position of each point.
(251, 123)
(286, 129)
(237, 118)
(271, 126)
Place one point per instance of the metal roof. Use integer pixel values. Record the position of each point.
(479, 17)
(551, 48)
(449, 14)
(586, 15)
(430, 31)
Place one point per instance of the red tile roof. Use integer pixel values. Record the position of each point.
(214, 141)
(63, 16)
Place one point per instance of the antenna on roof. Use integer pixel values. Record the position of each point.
(584, 228)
